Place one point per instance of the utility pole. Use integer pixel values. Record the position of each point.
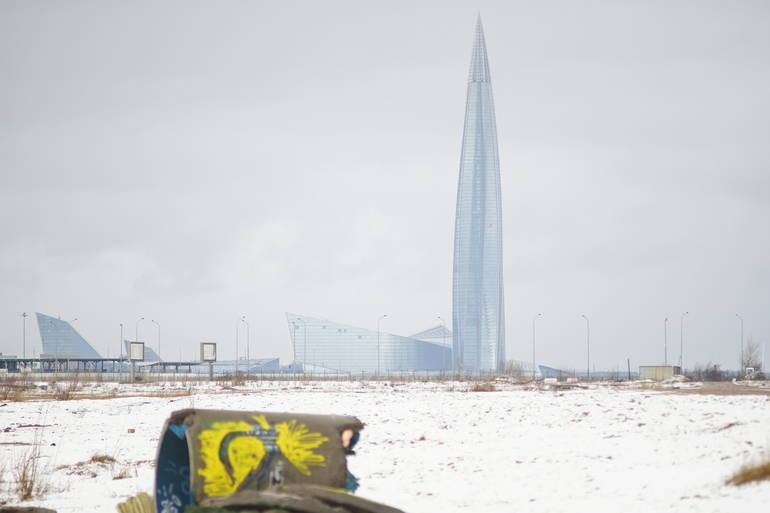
(588, 347)
(681, 342)
(535, 318)
(665, 341)
(304, 349)
(24, 335)
(248, 340)
(156, 323)
(443, 332)
(741, 370)
(378, 342)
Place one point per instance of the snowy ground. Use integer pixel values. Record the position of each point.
(438, 448)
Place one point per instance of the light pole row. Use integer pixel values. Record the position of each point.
(243, 320)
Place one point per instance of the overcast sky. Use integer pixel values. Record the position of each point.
(192, 162)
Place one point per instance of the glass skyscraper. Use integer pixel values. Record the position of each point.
(477, 283)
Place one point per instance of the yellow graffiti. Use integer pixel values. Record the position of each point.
(296, 443)
(244, 454)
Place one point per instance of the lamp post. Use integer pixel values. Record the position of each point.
(665, 341)
(248, 337)
(136, 339)
(535, 318)
(156, 323)
(681, 342)
(380, 318)
(121, 341)
(294, 346)
(588, 346)
(304, 349)
(56, 353)
(24, 334)
(740, 369)
(443, 332)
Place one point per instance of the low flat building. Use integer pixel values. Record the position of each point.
(658, 372)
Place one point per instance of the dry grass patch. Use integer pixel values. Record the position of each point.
(67, 391)
(29, 474)
(483, 387)
(752, 473)
(14, 390)
(3, 498)
(124, 472)
(101, 458)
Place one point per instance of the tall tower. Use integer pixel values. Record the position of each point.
(478, 315)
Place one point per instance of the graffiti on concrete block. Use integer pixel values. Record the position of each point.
(240, 454)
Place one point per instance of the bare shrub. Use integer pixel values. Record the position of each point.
(752, 473)
(66, 391)
(514, 369)
(101, 458)
(29, 474)
(239, 379)
(752, 356)
(123, 472)
(483, 387)
(709, 372)
(12, 392)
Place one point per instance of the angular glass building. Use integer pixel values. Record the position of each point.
(320, 345)
(478, 319)
(60, 340)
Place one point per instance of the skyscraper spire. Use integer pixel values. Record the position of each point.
(478, 314)
(479, 71)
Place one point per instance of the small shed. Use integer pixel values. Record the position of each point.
(658, 372)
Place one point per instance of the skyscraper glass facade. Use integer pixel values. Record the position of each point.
(321, 344)
(477, 284)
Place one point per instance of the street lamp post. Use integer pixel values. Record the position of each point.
(535, 318)
(136, 339)
(681, 342)
(588, 346)
(443, 332)
(665, 341)
(740, 369)
(378, 342)
(156, 323)
(56, 353)
(121, 341)
(24, 334)
(248, 338)
(248, 341)
(304, 349)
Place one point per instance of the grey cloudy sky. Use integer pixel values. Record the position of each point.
(192, 162)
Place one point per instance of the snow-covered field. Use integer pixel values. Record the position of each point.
(439, 448)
